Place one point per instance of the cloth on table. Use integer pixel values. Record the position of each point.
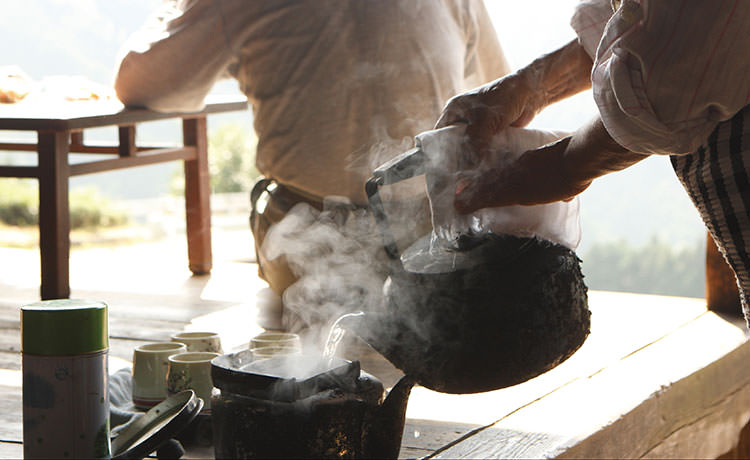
(122, 411)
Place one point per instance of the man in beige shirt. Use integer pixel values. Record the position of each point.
(337, 87)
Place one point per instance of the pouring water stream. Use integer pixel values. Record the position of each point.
(336, 335)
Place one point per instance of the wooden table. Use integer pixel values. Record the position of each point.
(659, 377)
(59, 128)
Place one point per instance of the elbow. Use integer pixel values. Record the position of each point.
(130, 86)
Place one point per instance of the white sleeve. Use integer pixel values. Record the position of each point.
(588, 21)
(667, 72)
(174, 61)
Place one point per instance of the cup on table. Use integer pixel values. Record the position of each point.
(199, 341)
(270, 344)
(150, 364)
(192, 371)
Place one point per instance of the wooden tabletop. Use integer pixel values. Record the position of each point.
(74, 115)
(659, 377)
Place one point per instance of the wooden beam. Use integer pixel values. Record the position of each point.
(76, 139)
(127, 140)
(145, 158)
(19, 171)
(721, 286)
(197, 196)
(18, 146)
(54, 219)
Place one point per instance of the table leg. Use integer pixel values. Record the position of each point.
(54, 216)
(197, 196)
(722, 294)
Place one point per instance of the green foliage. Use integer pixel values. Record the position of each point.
(655, 268)
(231, 160)
(19, 206)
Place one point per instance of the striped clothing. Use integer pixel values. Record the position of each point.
(717, 177)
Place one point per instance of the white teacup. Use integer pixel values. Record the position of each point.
(276, 340)
(199, 341)
(275, 350)
(192, 371)
(150, 364)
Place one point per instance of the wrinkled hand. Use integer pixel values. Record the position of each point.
(555, 172)
(509, 101)
(515, 99)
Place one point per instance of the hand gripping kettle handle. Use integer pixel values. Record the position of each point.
(409, 164)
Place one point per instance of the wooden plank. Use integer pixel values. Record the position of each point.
(76, 138)
(78, 148)
(146, 157)
(410, 452)
(10, 339)
(722, 294)
(621, 324)
(62, 117)
(634, 404)
(10, 360)
(11, 413)
(54, 218)
(128, 327)
(679, 381)
(703, 437)
(11, 450)
(126, 135)
(19, 171)
(431, 435)
(18, 146)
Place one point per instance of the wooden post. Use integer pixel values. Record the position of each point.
(197, 196)
(54, 217)
(127, 140)
(721, 286)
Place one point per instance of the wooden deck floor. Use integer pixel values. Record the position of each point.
(658, 377)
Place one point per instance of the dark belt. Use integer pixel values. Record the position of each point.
(284, 197)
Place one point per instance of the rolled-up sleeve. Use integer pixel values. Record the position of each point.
(667, 72)
(174, 61)
(588, 21)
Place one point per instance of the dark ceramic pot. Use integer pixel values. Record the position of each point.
(338, 413)
(493, 311)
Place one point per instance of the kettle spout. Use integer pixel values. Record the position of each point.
(386, 428)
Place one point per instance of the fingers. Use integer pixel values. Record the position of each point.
(536, 177)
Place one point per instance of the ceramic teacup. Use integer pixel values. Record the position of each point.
(192, 371)
(199, 341)
(150, 363)
(276, 339)
(275, 350)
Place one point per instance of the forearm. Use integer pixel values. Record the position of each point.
(173, 63)
(591, 153)
(560, 74)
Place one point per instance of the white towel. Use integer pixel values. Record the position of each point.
(558, 222)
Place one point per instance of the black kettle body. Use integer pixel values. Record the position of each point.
(491, 312)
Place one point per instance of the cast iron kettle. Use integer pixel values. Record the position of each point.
(489, 312)
(334, 411)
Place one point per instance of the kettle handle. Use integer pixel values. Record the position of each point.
(409, 164)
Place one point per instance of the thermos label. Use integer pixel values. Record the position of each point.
(65, 406)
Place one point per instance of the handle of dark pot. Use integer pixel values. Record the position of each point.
(409, 164)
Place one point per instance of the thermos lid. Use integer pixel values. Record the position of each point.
(64, 327)
(147, 433)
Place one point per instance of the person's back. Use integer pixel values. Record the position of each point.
(337, 86)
